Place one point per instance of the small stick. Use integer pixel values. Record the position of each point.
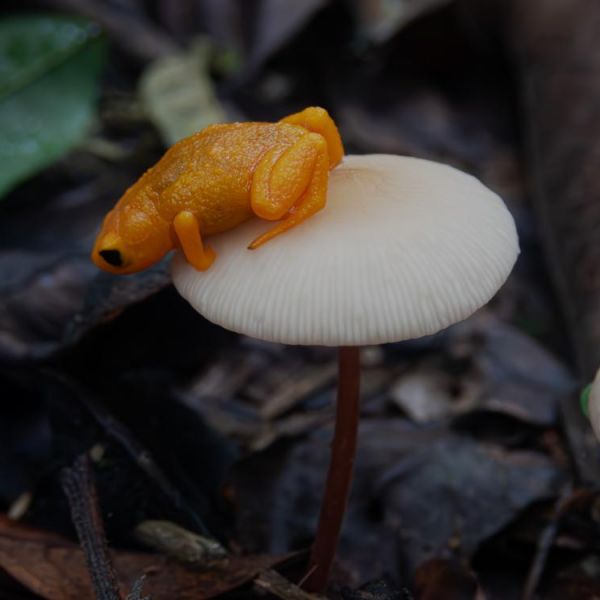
(126, 439)
(78, 484)
(141, 456)
(339, 477)
(271, 581)
(136, 591)
(545, 544)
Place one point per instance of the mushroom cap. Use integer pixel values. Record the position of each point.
(404, 248)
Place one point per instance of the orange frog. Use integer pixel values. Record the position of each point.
(216, 179)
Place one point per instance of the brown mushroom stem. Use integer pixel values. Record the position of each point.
(339, 477)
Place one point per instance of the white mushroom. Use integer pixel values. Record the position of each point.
(593, 404)
(404, 248)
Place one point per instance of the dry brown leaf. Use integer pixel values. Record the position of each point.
(439, 579)
(54, 568)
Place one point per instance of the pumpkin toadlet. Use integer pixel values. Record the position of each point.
(216, 179)
(403, 248)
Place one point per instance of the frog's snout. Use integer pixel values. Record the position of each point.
(108, 253)
(112, 256)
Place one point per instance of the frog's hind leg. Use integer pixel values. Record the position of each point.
(294, 183)
(187, 230)
(317, 120)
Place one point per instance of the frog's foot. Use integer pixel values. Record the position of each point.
(187, 230)
(294, 183)
(317, 120)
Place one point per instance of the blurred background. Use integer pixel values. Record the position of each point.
(477, 473)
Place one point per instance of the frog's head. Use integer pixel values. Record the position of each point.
(131, 239)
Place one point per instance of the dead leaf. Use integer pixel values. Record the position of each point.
(476, 490)
(178, 93)
(126, 342)
(424, 394)
(275, 23)
(256, 30)
(416, 493)
(309, 380)
(381, 19)
(259, 394)
(580, 581)
(380, 589)
(34, 317)
(272, 583)
(439, 579)
(55, 569)
(225, 376)
(516, 375)
(50, 292)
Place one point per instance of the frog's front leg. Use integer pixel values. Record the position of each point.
(317, 120)
(187, 230)
(292, 183)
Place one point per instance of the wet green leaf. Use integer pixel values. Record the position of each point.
(49, 68)
(584, 400)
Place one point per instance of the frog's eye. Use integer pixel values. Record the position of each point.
(112, 257)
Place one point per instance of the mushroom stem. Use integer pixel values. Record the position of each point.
(339, 477)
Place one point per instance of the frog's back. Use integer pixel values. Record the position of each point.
(211, 171)
(239, 146)
(223, 155)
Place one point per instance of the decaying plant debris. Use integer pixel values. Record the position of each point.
(476, 477)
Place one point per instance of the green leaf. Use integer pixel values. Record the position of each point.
(49, 69)
(584, 400)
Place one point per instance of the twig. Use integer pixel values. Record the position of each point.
(581, 443)
(78, 485)
(290, 393)
(545, 544)
(136, 591)
(274, 583)
(139, 454)
(186, 546)
(142, 457)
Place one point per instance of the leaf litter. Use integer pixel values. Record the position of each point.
(54, 568)
(461, 445)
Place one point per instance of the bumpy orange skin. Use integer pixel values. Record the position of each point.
(216, 179)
